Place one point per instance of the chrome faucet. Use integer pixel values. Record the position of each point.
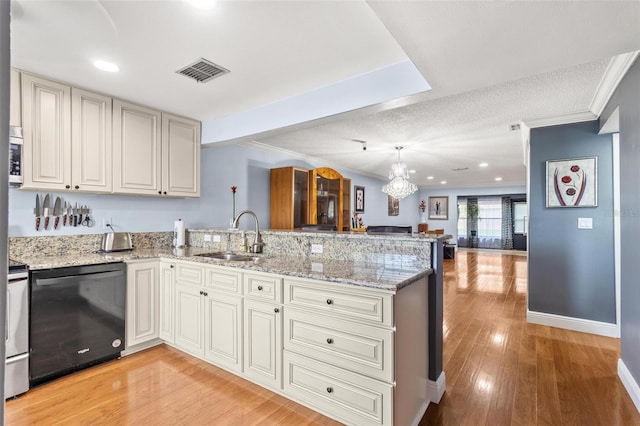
(257, 245)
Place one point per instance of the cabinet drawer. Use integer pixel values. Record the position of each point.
(349, 397)
(357, 304)
(357, 347)
(189, 274)
(223, 280)
(263, 287)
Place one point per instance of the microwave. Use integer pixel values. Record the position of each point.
(15, 155)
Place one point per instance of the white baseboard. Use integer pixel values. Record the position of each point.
(575, 324)
(629, 383)
(141, 347)
(436, 389)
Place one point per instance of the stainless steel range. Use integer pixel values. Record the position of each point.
(17, 331)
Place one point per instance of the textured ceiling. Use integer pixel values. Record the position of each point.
(456, 131)
(490, 64)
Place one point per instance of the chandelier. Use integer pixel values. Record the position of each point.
(399, 185)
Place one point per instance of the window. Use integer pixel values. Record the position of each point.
(462, 217)
(520, 217)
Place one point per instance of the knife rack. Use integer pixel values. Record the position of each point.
(51, 216)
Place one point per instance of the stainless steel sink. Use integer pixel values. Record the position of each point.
(230, 257)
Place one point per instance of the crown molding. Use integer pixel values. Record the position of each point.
(554, 120)
(616, 70)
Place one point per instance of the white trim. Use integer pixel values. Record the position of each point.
(616, 70)
(575, 324)
(554, 120)
(629, 383)
(617, 229)
(416, 421)
(612, 125)
(436, 389)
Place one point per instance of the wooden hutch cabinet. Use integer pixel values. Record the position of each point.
(317, 196)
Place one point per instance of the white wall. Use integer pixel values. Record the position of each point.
(450, 225)
(222, 167)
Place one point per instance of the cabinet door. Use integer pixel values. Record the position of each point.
(46, 120)
(142, 302)
(180, 156)
(91, 141)
(263, 342)
(189, 318)
(167, 307)
(16, 100)
(136, 149)
(223, 330)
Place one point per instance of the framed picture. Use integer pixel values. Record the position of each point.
(572, 182)
(393, 206)
(438, 208)
(358, 200)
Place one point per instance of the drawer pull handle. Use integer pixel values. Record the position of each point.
(329, 389)
(259, 288)
(276, 310)
(329, 302)
(329, 340)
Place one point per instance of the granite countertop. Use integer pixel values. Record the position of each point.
(384, 271)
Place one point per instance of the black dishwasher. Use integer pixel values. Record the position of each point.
(77, 318)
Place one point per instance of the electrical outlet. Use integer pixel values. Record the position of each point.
(317, 267)
(316, 248)
(216, 238)
(207, 238)
(106, 221)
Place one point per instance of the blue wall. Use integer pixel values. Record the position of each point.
(223, 166)
(571, 270)
(627, 98)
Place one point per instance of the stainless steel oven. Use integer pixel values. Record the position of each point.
(17, 332)
(15, 155)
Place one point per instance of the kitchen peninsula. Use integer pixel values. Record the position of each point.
(352, 330)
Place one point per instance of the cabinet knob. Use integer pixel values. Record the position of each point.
(329, 302)
(201, 292)
(205, 293)
(165, 192)
(259, 288)
(76, 187)
(68, 186)
(160, 192)
(276, 310)
(170, 266)
(329, 389)
(329, 340)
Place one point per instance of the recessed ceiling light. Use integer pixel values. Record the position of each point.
(443, 182)
(498, 179)
(483, 165)
(202, 4)
(430, 177)
(106, 66)
(412, 171)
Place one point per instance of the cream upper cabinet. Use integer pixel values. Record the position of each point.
(137, 149)
(91, 144)
(180, 156)
(16, 100)
(46, 121)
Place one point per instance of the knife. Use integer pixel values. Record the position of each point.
(38, 212)
(70, 214)
(64, 214)
(57, 210)
(46, 207)
(80, 210)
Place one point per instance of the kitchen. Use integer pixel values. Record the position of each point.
(211, 209)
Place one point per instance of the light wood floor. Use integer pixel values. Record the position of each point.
(500, 371)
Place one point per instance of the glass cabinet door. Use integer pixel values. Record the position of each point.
(326, 197)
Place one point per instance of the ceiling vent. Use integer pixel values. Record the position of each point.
(460, 169)
(514, 127)
(202, 70)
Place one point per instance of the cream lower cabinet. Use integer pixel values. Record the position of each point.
(208, 311)
(358, 355)
(142, 302)
(167, 297)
